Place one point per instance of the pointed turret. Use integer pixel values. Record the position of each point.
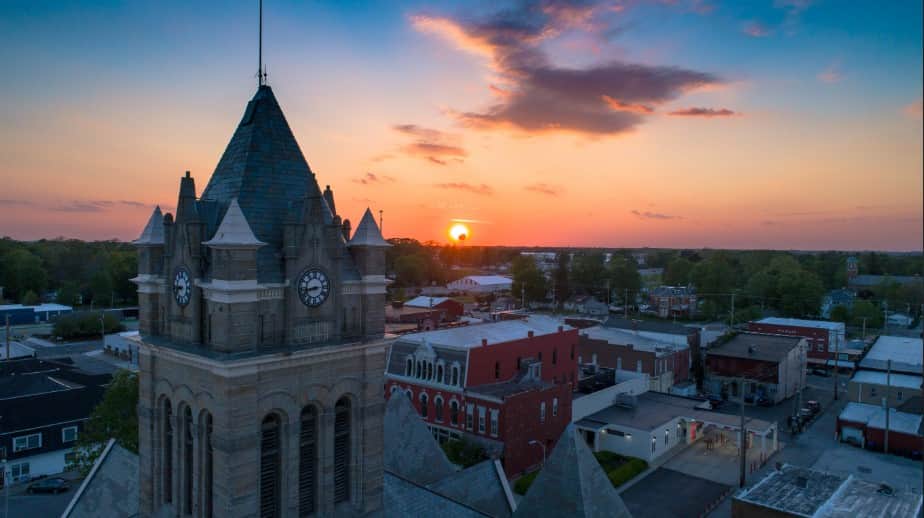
(405, 432)
(329, 198)
(572, 484)
(153, 233)
(186, 210)
(368, 233)
(234, 231)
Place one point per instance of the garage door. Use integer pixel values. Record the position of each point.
(852, 435)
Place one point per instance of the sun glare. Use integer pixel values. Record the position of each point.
(459, 232)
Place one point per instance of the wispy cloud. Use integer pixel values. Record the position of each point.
(654, 215)
(914, 110)
(703, 112)
(544, 188)
(371, 178)
(80, 206)
(16, 203)
(430, 144)
(832, 74)
(755, 30)
(482, 189)
(538, 96)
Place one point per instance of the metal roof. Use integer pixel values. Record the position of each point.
(906, 354)
(425, 302)
(368, 233)
(873, 416)
(234, 231)
(638, 341)
(487, 279)
(798, 322)
(772, 348)
(467, 337)
(153, 233)
(895, 380)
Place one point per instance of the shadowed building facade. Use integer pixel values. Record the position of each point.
(262, 351)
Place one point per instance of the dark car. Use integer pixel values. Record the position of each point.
(821, 371)
(762, 401)
(49, 485)
(814, 406)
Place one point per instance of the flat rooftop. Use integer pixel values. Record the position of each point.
(908, 381)
(874, 417)
(467, 337)
(653, 410)
(798, 322)
(772, 348)
(638, 341)
(813, 493)
(906, 354)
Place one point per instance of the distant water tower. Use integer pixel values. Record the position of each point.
(853, 267)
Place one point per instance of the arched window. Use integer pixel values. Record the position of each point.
(497, 370)
(423, 406)
(394, 388)
(438, 408)
(207, 463)
(439, 373)
(454, 412)
(540, 355)
(410, 394)
(429, 371)
(419, 369)
(555, 356)
(270, 469)
(409, 370)
(342, 450)
(168, 452)
(455, 375)
(307, 460)
(187, 461)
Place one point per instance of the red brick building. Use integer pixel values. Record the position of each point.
(452, 309)
(770, 366)
(823, 336)
(864, 425)
(673, 301)
(664, 362)
(504, 385)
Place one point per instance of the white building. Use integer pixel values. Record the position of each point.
(481, 284)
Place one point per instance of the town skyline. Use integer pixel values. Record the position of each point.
(510, 120)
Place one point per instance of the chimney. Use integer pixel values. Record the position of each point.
(484, 342)
(529, 333)
(561, 329)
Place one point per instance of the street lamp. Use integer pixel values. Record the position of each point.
(538, 443)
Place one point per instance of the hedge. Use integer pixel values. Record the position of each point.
(618, 468)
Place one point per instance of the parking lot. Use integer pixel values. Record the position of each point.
(666, 493)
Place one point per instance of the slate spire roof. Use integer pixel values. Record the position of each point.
(153, 233)
(368, 233)
(572, 484)
(234, 231)
(263, 167)
(410, 451)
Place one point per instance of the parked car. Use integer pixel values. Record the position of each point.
(762, 401)
(814, 406)
(821, 371)
(49, 485)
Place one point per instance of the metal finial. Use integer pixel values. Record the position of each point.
(261, 76)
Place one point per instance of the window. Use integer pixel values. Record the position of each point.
(638, 365)
(667, 436)
(409, 369)
(497, 370)
(593, 358)
(307, 461)
(429, 371)
(207, 477)
(168, 452)
(555, 356)
(438, 408)
(18, 471)
(187, 461)
(455, 375)
(394, 388)
(342, 423)
(618, 363)
(872, 393)
(494, 422)
(70, 460)
(423, 406)
(419, 369)
(540, 355)
(821, 347)
(900, 395)
(481, 419)
(654, 444)
(554, 407)
(69, 434)
(469, 416)
(27, 442)
(439, 373)
(410, 394)
(454, 412)
(542, 412)
(270, 469)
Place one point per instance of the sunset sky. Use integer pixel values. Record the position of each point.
(791, 124)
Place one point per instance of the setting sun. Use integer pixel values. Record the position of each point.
(459, 232)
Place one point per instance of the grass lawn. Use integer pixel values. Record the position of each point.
(618, 468)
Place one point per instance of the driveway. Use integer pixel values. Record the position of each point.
(719, 464)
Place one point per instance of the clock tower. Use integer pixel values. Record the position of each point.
(262, 354)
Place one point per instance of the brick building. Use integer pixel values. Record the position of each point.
(673, 301)
(452, 309)
(823, 337)
(664, 362)
(504, 385)
(770, 366)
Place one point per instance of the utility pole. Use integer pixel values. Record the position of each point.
(885, 402)
(837, 343)
(554, 302)
(864, 330)
(733, 310)
(7, 337)
(523, 296)
(607, 294)
(625, 303)
(743, 446)
(885, 316)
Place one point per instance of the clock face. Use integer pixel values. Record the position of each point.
(181, 287)
(313, 287)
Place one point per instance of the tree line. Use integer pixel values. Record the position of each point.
(77, 272)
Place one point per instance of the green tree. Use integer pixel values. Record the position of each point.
(623, 278)
(68, 293)
(800, 293)
(410, 270)
(864, 309)
(115, 417)
(677, 272)
(713, 279)
(101, 289)
(588, 273)
(528, 279)
(22, 272)
(840, 314)
(561, 277)
(30, 299)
